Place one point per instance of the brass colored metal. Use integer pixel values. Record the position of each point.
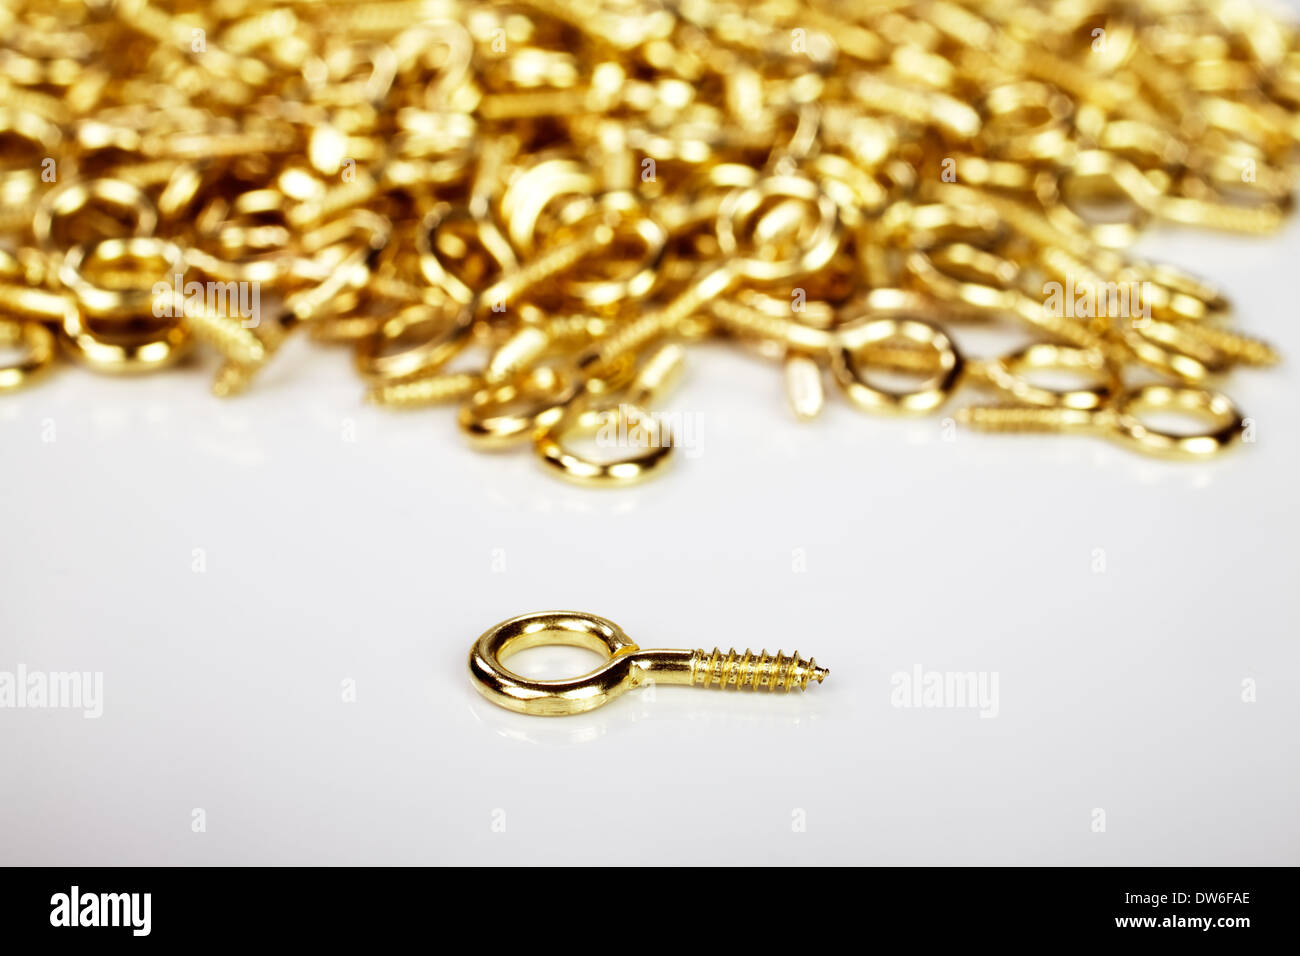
(628, 666)
(573, 193)
(442, 337)
(1121, 420)
(37, 343)
(629, 427)
(70, 200)
(660, 373)
(803, 386)
(501, 416)
(746, 320)
(238, 342)
(125, 352)
(1008, 375)
(1233, 346)
(139, 297)
(880, 326)
(34, 303)
(1012, 374)
(517, 353)
(434, 390)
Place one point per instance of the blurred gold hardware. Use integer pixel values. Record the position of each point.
(138, 298)
(742, 319)
(1114, 176)
(572, 193)
(807, 253)
(69, 200)
(229, 335)
(997, 293)
(433, 390)
(516, 354)
(879, 326)
(617, 416)
(1121, 420)
(35, 303)
(803, 386)
(126, 351)
(631, 427)
(37, 345)
(437, 339)
(1233, 346)
(499, 416)
(1013, 375)
(628, 666)
(660, 373)
(1009, 374)
(232, 379)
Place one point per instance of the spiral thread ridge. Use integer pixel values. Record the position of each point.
(757, 671)
(228, 335)
(449, 387)
(1016, 418)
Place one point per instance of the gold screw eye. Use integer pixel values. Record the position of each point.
(813, 252)
(1122, 420)
(67, 202)
(873, 331)
(624, 426)
(1009, 373)
(419, 340)
(1224, 422)
(134, 254)
(626, 666)
(549, 698)
(501, 416)
(125, 351)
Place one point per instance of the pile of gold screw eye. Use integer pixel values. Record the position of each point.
(528, 208)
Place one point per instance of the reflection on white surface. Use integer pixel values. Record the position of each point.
(648, 705)
(1123, 600)
(510, 494)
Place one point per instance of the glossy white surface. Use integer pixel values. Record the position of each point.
(379, 560)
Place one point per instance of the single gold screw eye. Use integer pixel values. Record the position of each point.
(70, 199)
(500, 416)
(1122, 421)
(124, 352)
(628, 665)
(421, 340)
(877, 329)
(648, 445)
(1008, 374)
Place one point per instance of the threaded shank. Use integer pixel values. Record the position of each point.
(1067, 330)
(633, 335)
(229, 336)
(744, 319)
(1015, 418)
(757, 671)
(449, 387)
(515, 354)
(568, 330)
(546, 266)
(1252, 220)
(1234, 345)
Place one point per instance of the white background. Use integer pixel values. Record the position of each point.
(376, 561)
(373, 561)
